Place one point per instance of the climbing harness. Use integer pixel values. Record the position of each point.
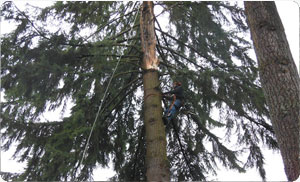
(104, 96)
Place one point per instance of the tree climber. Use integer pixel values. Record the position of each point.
(177, 101)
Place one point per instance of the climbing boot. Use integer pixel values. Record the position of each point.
(165, 120)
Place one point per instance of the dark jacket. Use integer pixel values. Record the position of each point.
(178, 92)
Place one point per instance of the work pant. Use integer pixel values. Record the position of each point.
(170, 112)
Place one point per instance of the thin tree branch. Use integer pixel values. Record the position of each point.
(123, 32)
(221, 147)
(174, 52)
(127, 72)
(190, 47)
(32, 124)
(160, 52)
(32, 24)
(167, 44)
(89, 45)
(121, 100)
(118, 44)
(100, 28)
(108, 55)
(244, 114)
(118, 94)
(168, 8)
(180, 55)
(130, 61)
(181, 147)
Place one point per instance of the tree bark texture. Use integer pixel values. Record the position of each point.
(156, 155)
(279, 79)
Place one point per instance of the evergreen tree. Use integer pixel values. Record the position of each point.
(157, 167)
(67, 52)
(280, 80)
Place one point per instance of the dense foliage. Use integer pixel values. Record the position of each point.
(65, 54)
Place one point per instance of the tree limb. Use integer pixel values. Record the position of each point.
(190, 47)
(174, 52)
(167, 44)
(244, 114)
(181, 147)
(118, 94)
(115, 19)
(32, 24)
(180, 55)
(123, 32)
(107, 55)
(126, 72)
(121, 100)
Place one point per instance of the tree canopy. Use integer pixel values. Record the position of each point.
(65, 54)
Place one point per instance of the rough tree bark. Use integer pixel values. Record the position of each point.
(279, 79)
(156, 155)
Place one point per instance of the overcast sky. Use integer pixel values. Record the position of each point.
(289, 13)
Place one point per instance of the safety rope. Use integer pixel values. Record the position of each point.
(174, 99)
(100, 107)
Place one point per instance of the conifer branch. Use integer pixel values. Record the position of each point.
(130, 61)
(186, 45)
(106, 55)
(167, 44)
(158, 48)
(31, 23)
(168, 8)
(227, 154)
(119, 93)
(8, 176)
(106, 44)
(89, 45)
(123, 32)
(126, 45)
(108, 23)
(121, 100)
(127, 39)
(174, 52)
(23, 124)
(241, 112)
(160, 52)
(181, 147)
(126, 72)
(164, 63)
(182, 56)
(190, 47)
(123, 56)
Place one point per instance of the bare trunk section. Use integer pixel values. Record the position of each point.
(279, 78)
(156, 155)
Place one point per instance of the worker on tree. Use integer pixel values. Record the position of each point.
(177, 101)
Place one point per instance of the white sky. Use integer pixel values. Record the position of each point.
(289, 13)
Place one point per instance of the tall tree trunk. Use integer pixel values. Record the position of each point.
(279, 78)
(156, 155)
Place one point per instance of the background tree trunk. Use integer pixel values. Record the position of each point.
(156, 155)
(279, 78)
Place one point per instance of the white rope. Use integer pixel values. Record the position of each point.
(100, 107)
